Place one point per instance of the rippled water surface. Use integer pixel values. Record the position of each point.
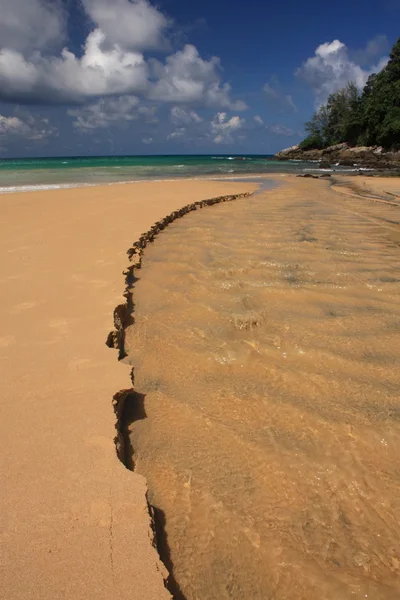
(266, 345)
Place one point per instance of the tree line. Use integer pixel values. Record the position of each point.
(367, 118)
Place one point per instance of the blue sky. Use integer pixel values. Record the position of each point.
(82, 77)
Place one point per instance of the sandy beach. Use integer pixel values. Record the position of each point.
(266, 352)
(74, 521)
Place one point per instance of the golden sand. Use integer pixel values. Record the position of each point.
(266, 348)
(74, 521)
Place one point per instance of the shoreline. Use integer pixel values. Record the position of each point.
(74, 186)
(313, 169)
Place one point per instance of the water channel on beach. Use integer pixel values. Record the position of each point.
(266, 347)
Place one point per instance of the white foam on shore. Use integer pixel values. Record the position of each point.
(341, 170)
(60, 186)
(41, 187)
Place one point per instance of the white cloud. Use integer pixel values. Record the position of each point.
(375, 48)
(181, 115)
(105, 111)
(148, 114)
(193, 128)
(132, 24)
(290, 103)
(27, 25)
(105, 70)
(330, 69)
(277, 99)
(219, 96)
(67, 78)
(25, 126)
(271, 92)
(177, 133)
(258, 120)
(148, 140)
(222, 128)
(281, 130)
(111, 73)
(11, 125)
(186, 77)
(110, 111)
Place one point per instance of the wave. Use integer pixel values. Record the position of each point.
(61, 186)
(339, 170)
(318, 170)
(223, 157)
(42, 187)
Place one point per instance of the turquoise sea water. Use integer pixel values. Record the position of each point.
(52, 173)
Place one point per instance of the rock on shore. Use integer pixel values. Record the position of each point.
(344, 155)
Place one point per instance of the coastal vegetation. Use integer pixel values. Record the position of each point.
(367, 118)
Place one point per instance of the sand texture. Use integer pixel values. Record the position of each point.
(266, 349)
(74, 522)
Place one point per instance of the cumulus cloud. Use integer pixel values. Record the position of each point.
(180, 115)
(186, 77)
(106, 69)
(112, 79)
(222, 128)
(276, 97)
(11, 125)
(25, 126)
(31, 25)
(186, 121)
(109, 111)
(374, 49)
(191, 127)
(331, 68)
(257, 119)
(106, 111)
(100, 71)
(132, 24)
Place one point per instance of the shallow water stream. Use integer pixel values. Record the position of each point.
(266, 348)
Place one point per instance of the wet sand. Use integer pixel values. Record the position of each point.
(74, 521)
(266, 348)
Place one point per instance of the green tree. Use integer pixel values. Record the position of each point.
(370, 119)
(341, 107)
(380, 103)
(316, 129)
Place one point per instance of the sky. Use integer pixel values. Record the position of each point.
(104, 77)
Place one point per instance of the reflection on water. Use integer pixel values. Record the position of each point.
(267, 345)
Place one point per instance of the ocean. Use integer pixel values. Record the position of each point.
(28, 174)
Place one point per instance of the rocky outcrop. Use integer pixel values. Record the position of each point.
(373, 157)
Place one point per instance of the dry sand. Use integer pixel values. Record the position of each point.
(74, 521)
